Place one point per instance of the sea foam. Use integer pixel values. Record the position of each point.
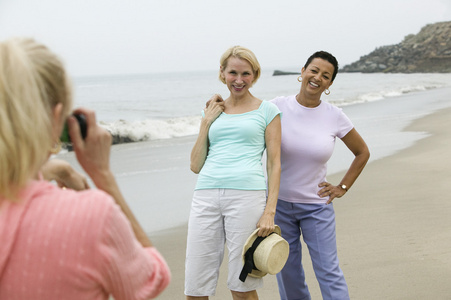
(147, 130)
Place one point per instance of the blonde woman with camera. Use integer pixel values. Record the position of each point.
(61, 243)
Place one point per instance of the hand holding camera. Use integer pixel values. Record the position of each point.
(93, 148)
(81, 119)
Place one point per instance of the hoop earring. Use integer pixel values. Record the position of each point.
(327, 92)
(56, 148)
(300, 80)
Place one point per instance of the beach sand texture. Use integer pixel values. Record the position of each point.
(393, 226)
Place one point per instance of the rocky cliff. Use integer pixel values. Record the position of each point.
(429, 51)
(279, 72)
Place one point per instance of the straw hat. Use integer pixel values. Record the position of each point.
(269, 256)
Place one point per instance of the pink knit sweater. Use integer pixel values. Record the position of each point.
(62, 244)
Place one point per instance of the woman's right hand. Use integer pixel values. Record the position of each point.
(214, 107)
(93, 153)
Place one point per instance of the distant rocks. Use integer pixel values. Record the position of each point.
(278, 73)
(429, 51)
(119, 139)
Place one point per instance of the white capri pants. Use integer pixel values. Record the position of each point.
(220, 216)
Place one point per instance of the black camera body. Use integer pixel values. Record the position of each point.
(65, 137)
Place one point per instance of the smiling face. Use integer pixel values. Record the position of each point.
(317, 76)
(238, 76)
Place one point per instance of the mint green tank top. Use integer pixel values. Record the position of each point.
(237, 143)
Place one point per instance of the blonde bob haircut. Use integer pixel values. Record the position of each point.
(241, 53)
(32, 82)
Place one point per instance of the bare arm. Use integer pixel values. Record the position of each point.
(64, 175)
(93, 154)
(200, 148)
(273, 140)
(358, 147)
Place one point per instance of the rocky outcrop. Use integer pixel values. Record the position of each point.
(429, 51)
(278, 73)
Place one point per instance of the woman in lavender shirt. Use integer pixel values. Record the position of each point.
(309, 129)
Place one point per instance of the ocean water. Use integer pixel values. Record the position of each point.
(162, 113)
(168, 105)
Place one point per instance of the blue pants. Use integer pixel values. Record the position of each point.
(316, 222)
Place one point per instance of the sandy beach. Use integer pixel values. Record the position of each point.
(393, 226)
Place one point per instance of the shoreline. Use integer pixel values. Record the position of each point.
(393, 226)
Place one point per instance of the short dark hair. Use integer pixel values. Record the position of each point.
(326, 56)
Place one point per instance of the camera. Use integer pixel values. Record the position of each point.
(81, 119)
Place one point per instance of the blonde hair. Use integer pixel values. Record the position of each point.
(32, 82)
(242, 53)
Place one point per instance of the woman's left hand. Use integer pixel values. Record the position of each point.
(331, 191)
(64, 175)
(266, 224)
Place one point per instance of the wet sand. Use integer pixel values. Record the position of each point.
(393, 226)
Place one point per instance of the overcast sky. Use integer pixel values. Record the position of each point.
(97, 37)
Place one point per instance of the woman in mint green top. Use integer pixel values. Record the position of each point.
(237, 142)
(230, 199)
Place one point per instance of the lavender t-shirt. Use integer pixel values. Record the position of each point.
(308, 140)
